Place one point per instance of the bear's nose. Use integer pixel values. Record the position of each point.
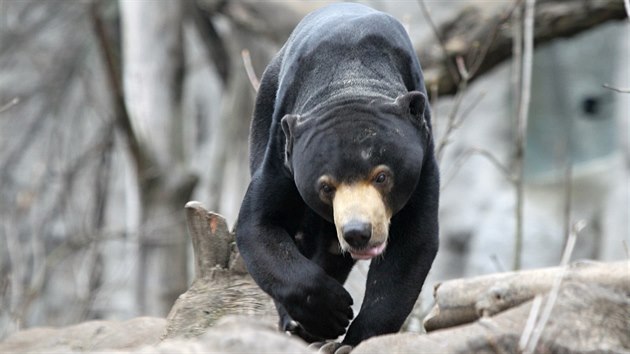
(357, 233)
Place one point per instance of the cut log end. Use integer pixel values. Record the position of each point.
(211, 238)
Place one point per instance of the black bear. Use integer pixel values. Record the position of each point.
(343, 168)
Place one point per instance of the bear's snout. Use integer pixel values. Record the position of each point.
(357, 233)
(362, 219)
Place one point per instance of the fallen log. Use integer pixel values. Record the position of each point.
(465, 300)
(586, 318)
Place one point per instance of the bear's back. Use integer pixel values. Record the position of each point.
(345, 49)
(345, 24)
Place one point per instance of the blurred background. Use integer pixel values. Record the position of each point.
(114, 114)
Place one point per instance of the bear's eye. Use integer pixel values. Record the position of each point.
(326, 189)
(381, 178)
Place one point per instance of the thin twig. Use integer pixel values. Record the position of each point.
(492, 38)
(555, 288)
(531, 322)
(468, 109)
(461, 68)
(16, 260)
(452, 118)
(434, 104)
(616, 89)
(436, 32)
(249, 68)
(568, 184)
(523, 111)
(498, 265)
(9, 104)
(457, 165)
(517, 56)
(451, 123)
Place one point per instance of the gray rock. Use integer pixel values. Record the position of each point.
(234, 334)
(87, 337)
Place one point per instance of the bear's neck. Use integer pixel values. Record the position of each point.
(345, 82)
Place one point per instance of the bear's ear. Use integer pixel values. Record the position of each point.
(289, 123)
(414, 103)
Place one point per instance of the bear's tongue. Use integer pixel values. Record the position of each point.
(368, 253)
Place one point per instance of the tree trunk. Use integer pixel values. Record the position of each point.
(152, 78)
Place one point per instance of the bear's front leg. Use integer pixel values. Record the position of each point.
(266, 222)
(394, 283)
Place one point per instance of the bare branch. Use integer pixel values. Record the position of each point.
(521, 135)
(216, 49)
(452, 121)
(9, 104)
(498, 265)
(249, 68)
(457, 165)
(464, 33)
(266, 19)
(555, 287)
(436, 32)
(620, 90)
(140, 157)
(452, 118)
(489, 42)
(531, 322)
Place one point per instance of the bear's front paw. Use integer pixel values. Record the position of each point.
(320, 305)
(293, 328)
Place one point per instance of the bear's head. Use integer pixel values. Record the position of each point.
(357, 164)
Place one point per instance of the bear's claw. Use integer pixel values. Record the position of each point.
(330, 347)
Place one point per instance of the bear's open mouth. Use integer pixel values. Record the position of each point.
(368, 253)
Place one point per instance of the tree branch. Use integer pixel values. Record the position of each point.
(140, 157)
(521, 125)
(249, 69)
(9, 104)
(215, 47)
(472, 27)
(452, 70)
(530, 343)
(616, 89)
